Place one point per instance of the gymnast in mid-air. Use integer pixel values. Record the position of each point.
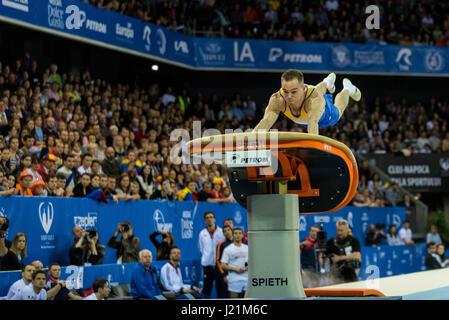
(308, 105)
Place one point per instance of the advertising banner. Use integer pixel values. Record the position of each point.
(84, 22)
(418, 173)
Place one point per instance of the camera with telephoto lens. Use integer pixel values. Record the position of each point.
(125, 227)
(91, 233)
(380, 226)
(5, 225)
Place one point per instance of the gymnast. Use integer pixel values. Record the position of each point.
(308, 105)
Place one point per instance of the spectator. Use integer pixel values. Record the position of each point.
(163, 248)
(33, 170)
(405, 234)
(235, 261)
(86, 160)
(38, 265)
(83, 188)
(208, 240)
(393, 195)
(54, 272)
(433, 235)
(25, 281)
(171, 276)
(431, 261)
(37, 289)
(227, 232)
(393, 236)
(111, 164)
(128, 246)
(39, 188)
(101, 290)
(441, 255)
(25, 180)
(375, 235)
(188, 193)
(310, 257)
(145, 179)
(13, 259)
(144, 281)
(47, 165)
(87, 250)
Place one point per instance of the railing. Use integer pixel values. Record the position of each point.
(419, 215)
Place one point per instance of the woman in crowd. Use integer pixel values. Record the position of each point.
(13, 260)
(145, 180)
(441, 254)
(393, 236)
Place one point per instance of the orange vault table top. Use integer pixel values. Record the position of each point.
(321, 171)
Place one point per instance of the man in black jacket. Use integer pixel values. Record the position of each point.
(111, 164)
(431, 259)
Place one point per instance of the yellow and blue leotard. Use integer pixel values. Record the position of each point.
(330, 115)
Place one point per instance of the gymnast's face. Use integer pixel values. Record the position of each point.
(293, 91)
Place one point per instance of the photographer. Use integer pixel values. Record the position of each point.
(128, 246)
(375, 234)
(87, 249)
(343, 251)
(163, 248)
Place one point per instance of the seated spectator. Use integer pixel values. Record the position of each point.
(52, 190)
(86, 162)
(441, 252)
(96, 167)
(54, 273)
(132, 158)
(171, 277)
(38, 188)
(188, 193)
(112, 185)
(392, 195)
(144, 281)
(101, 290)
(25, 281)
(393, 236)
(405, 234)
(33, 170)
(374, 235)
(217, 186)
(111, 163)
(359, 200)
(163, 248)
(431, 261)
(38, 265)
(47, 165)
(166, 192)
(227, 194)
(145, 180)
(123, 184)
(83, 188)
(37, 289)
(13, 259)
(128, 246)
(433, 235)
(25, 183)
(87, 250)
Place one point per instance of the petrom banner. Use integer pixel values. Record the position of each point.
(419, 172)
(83, 22)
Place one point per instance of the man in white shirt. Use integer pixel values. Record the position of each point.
(171, 276)
(235, 260)
(101, 290)
(37, 290)
(405, 234)
(19, 285)
(209, 238)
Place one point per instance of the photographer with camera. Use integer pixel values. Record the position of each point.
(163, 248)
(5, 244)
(86, 249)
(375, 234)
(343, 250)
(128, 246)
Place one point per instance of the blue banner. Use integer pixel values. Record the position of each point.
(85, 22)
(48, 223)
